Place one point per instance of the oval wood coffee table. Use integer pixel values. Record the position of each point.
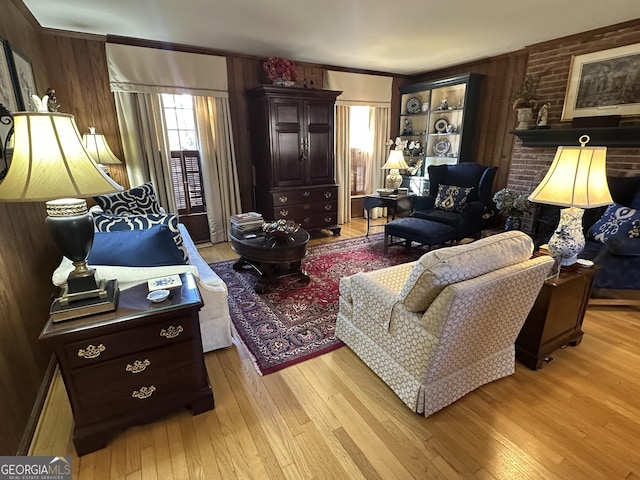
(268, 258)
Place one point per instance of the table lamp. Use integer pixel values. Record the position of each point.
(394, 163)
(50, 163)
(99, 150)
(577, 179)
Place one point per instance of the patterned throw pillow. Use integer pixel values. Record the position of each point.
(136, 201)
(113, 223)
(617, 221)
(451, 198)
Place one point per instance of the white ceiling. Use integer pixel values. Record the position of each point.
(406, 37)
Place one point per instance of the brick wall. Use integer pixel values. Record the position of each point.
(551, 61)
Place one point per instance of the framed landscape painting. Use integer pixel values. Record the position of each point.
(7, 92)
(604, 83)
(25, 79)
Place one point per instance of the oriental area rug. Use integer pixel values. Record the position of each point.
(291, 322)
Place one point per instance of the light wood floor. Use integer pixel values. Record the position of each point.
(332, 418)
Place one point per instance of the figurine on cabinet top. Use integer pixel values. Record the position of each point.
(444, 105)
(408, 128)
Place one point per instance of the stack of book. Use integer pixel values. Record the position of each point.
(247, 221)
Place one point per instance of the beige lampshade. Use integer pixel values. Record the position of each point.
(577, 178)
(98, 148)
(395, 160)
(50, 161)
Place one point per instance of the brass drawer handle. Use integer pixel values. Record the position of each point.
(91, 351)
(138, 366)
(306, 206)
(171, 332)
(306, 194)
(284, 213)
(144, 392)
(327, 219)
(328, 206)
(283, 199)
(328, 194)
(306, 220)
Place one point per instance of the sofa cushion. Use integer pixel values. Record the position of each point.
(111, 223)
(152, 247)
(439, 268)
(617, 221)
(135, 201)
(452, 198)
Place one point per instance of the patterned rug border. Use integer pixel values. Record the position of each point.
(249, 309)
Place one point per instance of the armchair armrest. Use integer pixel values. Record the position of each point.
(471, 218)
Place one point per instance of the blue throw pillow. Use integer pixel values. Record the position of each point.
(112, 223)
(617, 221)
(153, 247)
(451, 198)
(135, 201)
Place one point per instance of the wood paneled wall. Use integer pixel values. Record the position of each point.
(27, 259)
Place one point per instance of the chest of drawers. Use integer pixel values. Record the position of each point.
(133, 365)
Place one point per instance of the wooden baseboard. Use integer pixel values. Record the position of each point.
(38, 406)
(614, 302)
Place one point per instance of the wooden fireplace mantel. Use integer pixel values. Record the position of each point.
(600, 136)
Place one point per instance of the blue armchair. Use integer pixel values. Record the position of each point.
(467, 220)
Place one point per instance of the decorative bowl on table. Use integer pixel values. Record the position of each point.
(281, 229)
(384, 192)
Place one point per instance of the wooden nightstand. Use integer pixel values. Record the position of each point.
(556, 317)
(132, 365)
(394, 204)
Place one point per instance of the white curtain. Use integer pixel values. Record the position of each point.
(365, 90)
(137, 76)
(343, 163)
(219, 172)
(146, 149)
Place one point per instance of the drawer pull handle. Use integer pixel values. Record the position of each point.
(307, 219)
(306, 206)
(138, 366)
(144, 392)
(306, 194)
(91, 351)
(328, 206)
(283, 199)
(171, 332)
(284, 213)
(328, 194)
(327, 219)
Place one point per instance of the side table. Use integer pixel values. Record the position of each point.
(393, 203)
(556, 317)
(132, 365)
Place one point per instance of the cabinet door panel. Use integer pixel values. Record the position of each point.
(288, 166)
(287, 112)
(320, 161)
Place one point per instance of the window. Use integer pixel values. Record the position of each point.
(361, 146)
(185, 157)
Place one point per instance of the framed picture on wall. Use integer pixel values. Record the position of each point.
(604, 83)
(8, 96)
(25, 80)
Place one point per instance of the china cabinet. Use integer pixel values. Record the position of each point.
(437, 119)
(292, 142)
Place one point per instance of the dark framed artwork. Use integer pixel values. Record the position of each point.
(8, 96)
(25, 80)
(604, 83)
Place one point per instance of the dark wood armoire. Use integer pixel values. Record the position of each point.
(292, 141)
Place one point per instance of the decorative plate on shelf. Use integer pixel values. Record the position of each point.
(441, 125)
(441, 146)
(414, 105)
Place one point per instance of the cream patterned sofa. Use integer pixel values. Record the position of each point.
(215, 321)
(436, 329)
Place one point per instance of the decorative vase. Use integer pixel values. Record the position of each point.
(512, 223)
(568, 240)
(525, 118)
(279, 82)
